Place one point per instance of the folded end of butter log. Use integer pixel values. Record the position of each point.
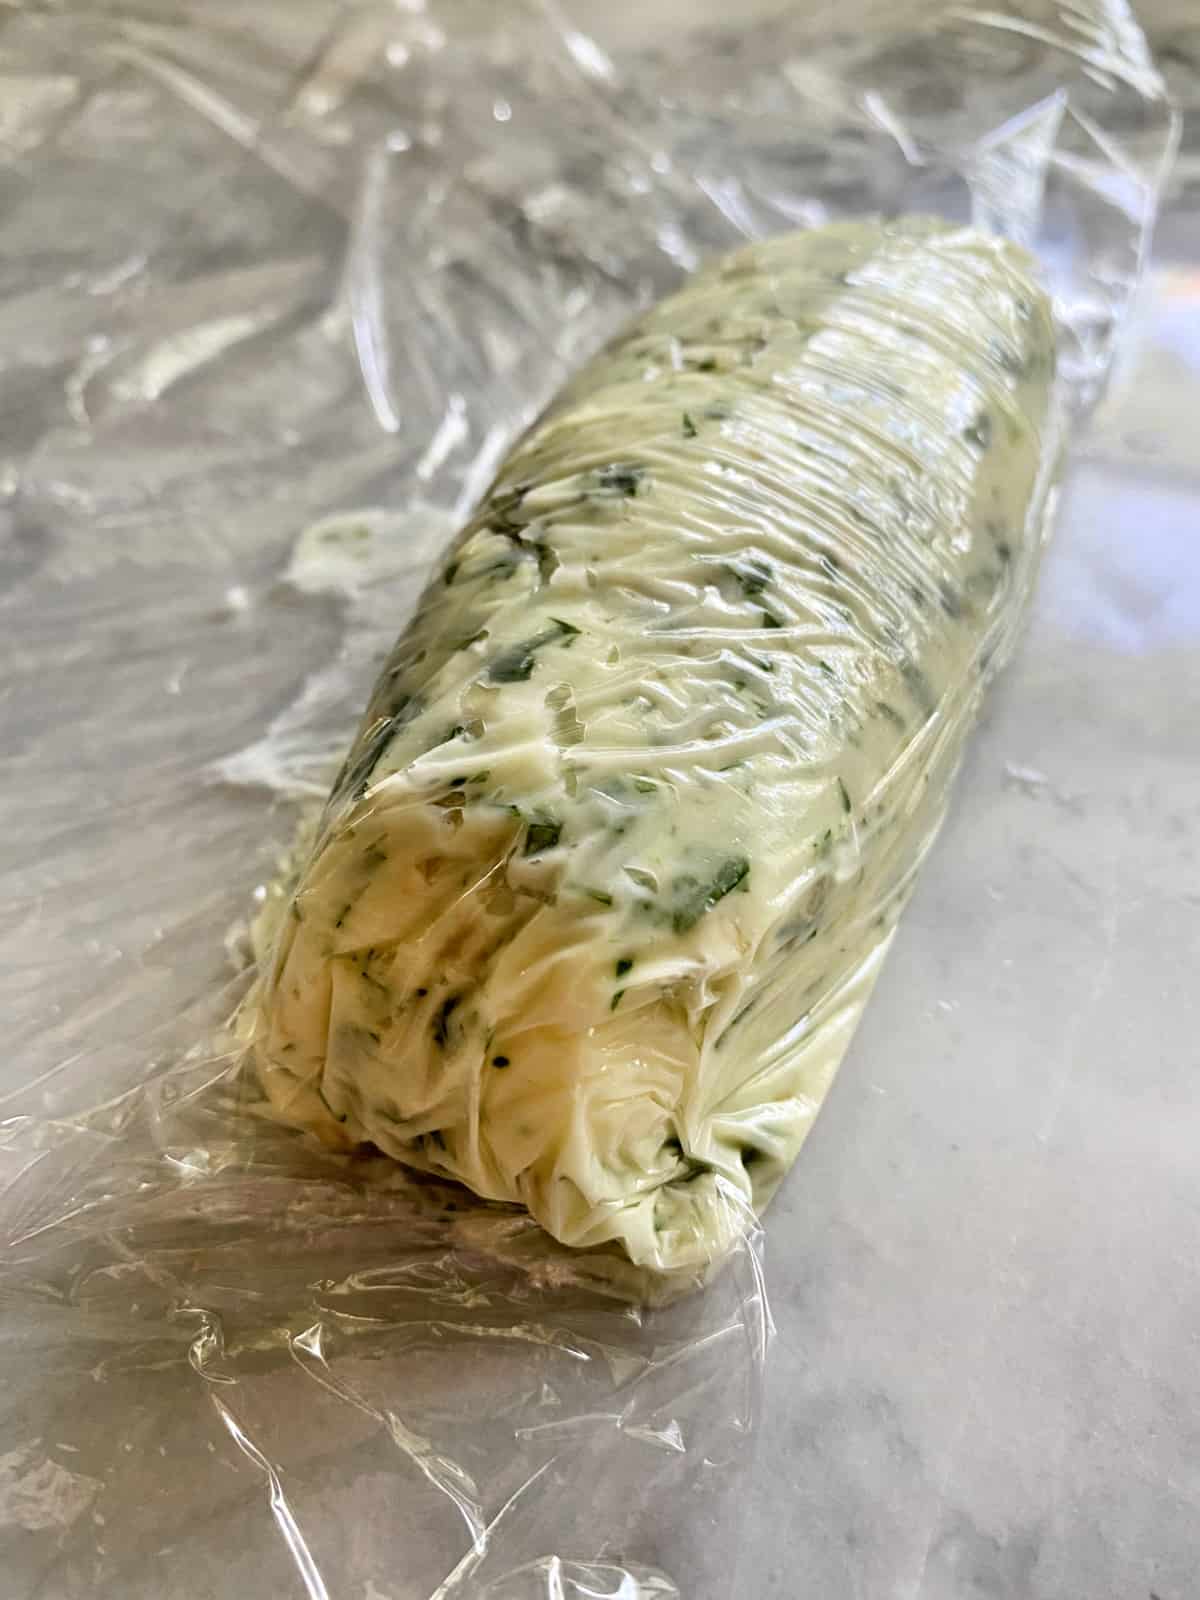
(612, 865)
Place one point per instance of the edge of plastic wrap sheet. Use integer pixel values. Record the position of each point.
(262, 269)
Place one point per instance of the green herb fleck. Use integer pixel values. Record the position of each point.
(598, 895)
(979, 432)
(845, 794)
(616, 999)
(624, 965)
(752, 576)
(689, 427)
(697, 898)
(543, 834)
(621, 477)
(500, 1061)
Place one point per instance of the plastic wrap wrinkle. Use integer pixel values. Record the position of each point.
(258, 266)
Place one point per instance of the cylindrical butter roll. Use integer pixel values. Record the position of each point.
(612, 864)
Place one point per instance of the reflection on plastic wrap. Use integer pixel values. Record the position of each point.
(259, 265)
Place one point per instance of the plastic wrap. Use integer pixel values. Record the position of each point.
(610, 869)
(259, 269)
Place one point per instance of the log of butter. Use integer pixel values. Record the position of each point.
(617, 851)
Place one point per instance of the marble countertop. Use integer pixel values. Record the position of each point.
(984, 1271)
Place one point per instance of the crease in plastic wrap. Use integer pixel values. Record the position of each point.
(279, 292)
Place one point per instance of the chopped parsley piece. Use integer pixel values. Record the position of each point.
(624, 965)
(696, 897)
(621, 477)
(689, 427)
(500, 1061)
(543, 835)
(845, 794)
(515, 663)
(752, 576)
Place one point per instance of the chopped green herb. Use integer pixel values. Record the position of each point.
(599, 896)
(770, 620)
(845, 794)
(515, 663)
(542, 835)
(979, 432)
(616, 999)
(621, 477)
(450, 573)
(695, 898)
(752, 576)
(355, 776)
(547, 559)
(624, 965)
(500, 1061)
(919, 687)
(689, 427)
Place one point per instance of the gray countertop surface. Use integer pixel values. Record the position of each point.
(985, 1269)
